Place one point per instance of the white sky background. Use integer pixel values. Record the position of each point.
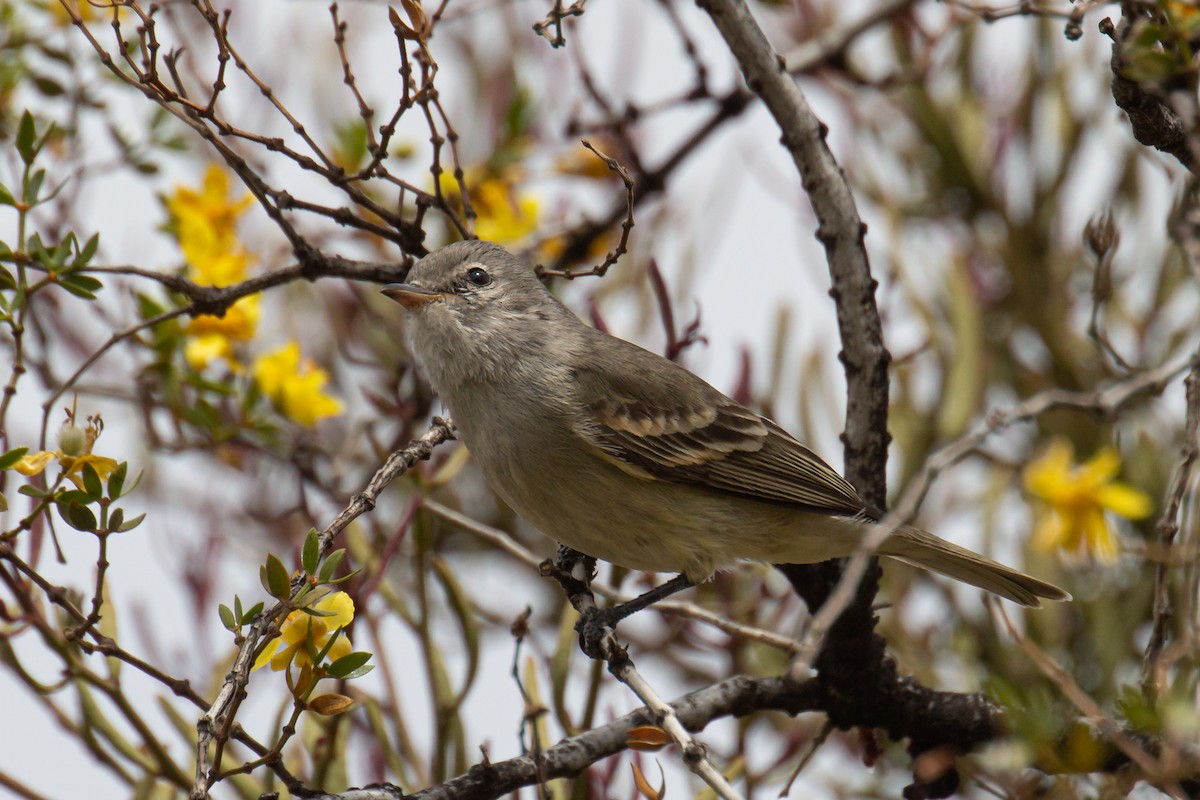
(738, 221)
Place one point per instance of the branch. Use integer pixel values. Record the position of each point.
(215, 723)
(840, 230)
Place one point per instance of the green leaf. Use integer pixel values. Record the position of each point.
(237, 607)
(136, 480)
(84, 286)
(48, 86)
(311, 552)
(8, 460)
(34, 187)
(227, 617)
(78, 517)
(116, 519)
(6, 197)
(32, 491)
(88, 251)
(347, 664)
(252, 613)
(358, 673)
(275, 578)
(77, 496)
(345, 577)
(3, 502)
(116, 481)
(7, 281)
(91, 482)
(58, 256)
(332, 562)
(26, 134)
(131, 524)
(148, 307)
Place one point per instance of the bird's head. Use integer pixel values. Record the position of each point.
(474, 309)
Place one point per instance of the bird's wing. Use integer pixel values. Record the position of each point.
(656, 420)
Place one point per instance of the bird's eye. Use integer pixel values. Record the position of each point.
(478, 276)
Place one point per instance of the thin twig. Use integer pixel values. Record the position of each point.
(213, 724)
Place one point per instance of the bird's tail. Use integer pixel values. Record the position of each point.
(921, 549)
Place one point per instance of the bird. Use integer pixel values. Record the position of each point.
(626, 456)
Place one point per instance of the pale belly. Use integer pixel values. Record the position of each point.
(561, 486)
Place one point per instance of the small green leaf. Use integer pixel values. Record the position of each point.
(8, 460)
(91, 482)
(148, 307)
(227, 617)
(48, 86)
(78, 517)
(116, 519)
(6, 197)
(358, 673)
(347, 664)
(116, 481)
(88, 251)
(131, 524)
(77, 496)
(84, 286)
(252, 613)
(7, 281)
(237, 607)
(32, 491)
(3, 502)
(332, 562)
(277, 582)
(136, 480)
(345, 577)
(34, 187)
(26, 134)
(310, 554)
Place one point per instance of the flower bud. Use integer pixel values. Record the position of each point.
(72, 439)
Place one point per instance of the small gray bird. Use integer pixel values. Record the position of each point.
(625, 456)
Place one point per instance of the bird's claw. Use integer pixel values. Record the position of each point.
(597, 629)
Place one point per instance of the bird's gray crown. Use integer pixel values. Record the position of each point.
(445, 270)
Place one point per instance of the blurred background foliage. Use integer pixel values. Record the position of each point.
(1023, 240)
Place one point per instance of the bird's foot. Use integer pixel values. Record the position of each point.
(597, 629)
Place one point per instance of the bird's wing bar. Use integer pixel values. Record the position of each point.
(696, 435)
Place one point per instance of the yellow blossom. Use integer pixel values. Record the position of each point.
(210, 208)
(302, 633)
(295, 386)
(503, 215)
(1076, 497)
(213, 337)
(206, 226)
(78, 442)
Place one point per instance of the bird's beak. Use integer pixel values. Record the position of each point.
(411, 296)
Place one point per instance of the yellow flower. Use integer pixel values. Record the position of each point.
(295, 386)
(77, 442)
(213, 337)
(302, 633)
(210, 208)
(206, 226)
(72, 466)
(1076, 497)
(503, 216)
